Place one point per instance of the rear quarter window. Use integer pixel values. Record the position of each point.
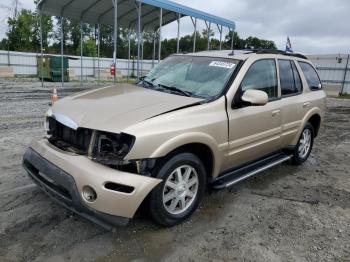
(311, 76)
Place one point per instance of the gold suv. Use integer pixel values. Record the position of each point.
(196, 120)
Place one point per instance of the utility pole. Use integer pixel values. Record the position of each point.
(16, 8)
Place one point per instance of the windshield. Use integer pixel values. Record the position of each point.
(203, 77)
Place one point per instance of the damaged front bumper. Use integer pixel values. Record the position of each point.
(63, 176)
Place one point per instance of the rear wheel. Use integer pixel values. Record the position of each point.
(303, 149)
(181, 191)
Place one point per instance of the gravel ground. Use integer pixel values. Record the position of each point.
(286, 214)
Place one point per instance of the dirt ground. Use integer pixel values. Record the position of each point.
(288, 213)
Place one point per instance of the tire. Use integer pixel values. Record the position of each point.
(300, 153)
(171, 190)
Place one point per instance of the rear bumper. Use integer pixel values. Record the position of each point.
(62, 176)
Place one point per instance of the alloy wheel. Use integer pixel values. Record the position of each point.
(304, 143)
(180, 189)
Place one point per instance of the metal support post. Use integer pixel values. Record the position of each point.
(220, 30)
(138, 38)
(81, 53)
(154, 49)
(178, 33)
(98, 51)
(62, 71)
(41, 51)
(194, 22)
(8, 54)
(115, 26)
(208, 34)
(160, 34)
(233, 34)
(129, 53)
(141, 73)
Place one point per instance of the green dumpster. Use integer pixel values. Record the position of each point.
(49, 68)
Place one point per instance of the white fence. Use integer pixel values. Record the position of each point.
(333, 69)
(25, 64)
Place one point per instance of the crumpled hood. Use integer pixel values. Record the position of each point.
(115, 108)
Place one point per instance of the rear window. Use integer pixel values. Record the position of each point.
(311, 76)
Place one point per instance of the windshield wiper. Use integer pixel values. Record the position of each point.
(149, 83)
(176, 90)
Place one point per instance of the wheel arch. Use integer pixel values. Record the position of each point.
(313, 116)
(315, 121)
(201, 145)
(203, 152)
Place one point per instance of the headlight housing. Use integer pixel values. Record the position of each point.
(109, 148)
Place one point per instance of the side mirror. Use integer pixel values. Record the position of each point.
(255, 97)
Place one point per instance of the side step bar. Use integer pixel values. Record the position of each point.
(237, 175)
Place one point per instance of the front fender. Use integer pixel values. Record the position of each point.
(191, 138)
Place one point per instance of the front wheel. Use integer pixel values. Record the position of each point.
(181, 191)
(303, 149)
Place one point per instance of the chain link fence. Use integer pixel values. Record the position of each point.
(334, 70)
(20, 64)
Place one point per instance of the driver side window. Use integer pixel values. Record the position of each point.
(262, 76)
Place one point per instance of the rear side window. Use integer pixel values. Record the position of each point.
(262, 76)
(311, 76)
(289, 77)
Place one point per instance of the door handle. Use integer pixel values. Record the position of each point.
(306, 104)
(276, 112)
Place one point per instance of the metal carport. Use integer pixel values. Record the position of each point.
(138, 15)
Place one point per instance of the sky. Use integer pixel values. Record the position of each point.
(314, 26)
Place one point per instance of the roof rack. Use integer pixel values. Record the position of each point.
(273, 51)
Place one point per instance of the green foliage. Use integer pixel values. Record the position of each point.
(250, 42)
(24, 35)
(4, 44)
(89, 48)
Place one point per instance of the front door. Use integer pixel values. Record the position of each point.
(255, 131)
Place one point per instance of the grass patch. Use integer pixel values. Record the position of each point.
(345, 96)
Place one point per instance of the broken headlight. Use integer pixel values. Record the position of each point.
(110, 149)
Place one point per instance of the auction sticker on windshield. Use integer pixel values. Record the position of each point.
(222, 64)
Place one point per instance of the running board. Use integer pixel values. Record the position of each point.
(237, 175)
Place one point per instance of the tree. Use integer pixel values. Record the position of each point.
(21, 35)
(89, 48)
(248, 43)
(4, 44)
(24, 31)
(24, 35)
(205, 33)
(46, 27)
(256, 43)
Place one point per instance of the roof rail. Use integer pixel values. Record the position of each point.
(277, 52)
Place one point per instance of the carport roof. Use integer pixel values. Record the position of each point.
(101, 11)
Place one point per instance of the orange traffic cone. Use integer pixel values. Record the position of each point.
(54, 96)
